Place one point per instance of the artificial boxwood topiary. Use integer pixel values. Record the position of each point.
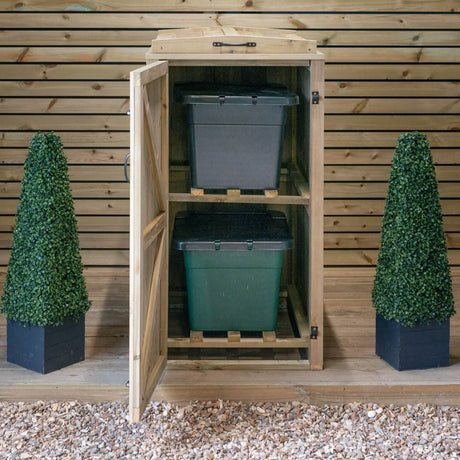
(413, 284)
(44, 284)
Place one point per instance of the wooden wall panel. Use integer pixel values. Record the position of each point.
(66, 6)
(391, 66)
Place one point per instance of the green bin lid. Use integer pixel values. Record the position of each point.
(211, 93)
(231, 231)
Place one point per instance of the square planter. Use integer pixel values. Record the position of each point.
(46, 348)
(407, 348)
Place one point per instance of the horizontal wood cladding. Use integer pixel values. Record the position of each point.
(333, 139)
(126, 54)
(90, 122)
(374, 223)
(231, 5)
(118, 122)
(106, 156)
(331, 240)
(301, 22)
(342, 72)
(331, 206)
(381, 139)
(381, 156)
(102, 223)
(120, 105)
(333, 257)
(141, 37)
(391, 66)
(91, 223)
(335, 89)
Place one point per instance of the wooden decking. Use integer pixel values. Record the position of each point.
(342, 380)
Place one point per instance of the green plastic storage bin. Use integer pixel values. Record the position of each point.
(233, 266)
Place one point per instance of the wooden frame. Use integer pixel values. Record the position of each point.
(150, 198)
(148, 233)
(316, 234)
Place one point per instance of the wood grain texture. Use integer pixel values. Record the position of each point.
(347, 380)
(126, 54)
(13, 105)
(297, 21)
(384, 72)
(382, 156)
(231, 5)
(346, 71)
(72, 37)
(391, 66)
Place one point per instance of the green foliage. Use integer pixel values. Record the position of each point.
(413, 284)
(44, 284)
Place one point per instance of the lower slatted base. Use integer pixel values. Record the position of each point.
(237, 339)
(288, 345)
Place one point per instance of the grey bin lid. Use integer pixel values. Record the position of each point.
(210, 93)
(231, 231)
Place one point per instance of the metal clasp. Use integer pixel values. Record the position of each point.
(248, 44)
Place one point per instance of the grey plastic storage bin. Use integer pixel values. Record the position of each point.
(233, 268)
(235, 134)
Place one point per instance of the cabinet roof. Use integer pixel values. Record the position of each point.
(230, 40)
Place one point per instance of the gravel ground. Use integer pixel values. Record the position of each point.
(228, 430)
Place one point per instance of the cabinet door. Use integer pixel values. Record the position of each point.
(148, 233)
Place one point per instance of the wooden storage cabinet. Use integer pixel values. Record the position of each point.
(160, 187)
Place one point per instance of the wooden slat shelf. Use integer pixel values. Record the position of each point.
(224, 198)
(291, 175)
(266, 339)
(233, 192)
(245, 342)
(237, 364)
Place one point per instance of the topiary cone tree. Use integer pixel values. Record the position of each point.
(412, 286)
(44, 286)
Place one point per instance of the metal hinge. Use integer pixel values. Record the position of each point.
(314, 332)
(315, 97)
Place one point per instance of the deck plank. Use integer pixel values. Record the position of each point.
(342, 381)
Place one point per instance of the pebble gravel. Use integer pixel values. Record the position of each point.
(228, 430)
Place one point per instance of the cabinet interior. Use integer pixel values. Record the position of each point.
(293, 182)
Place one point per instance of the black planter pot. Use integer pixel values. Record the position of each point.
(46, 348)
(407, 348)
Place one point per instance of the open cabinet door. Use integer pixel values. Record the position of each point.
(148, 321)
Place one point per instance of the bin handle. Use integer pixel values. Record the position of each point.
(125, 166)
(248, 44)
